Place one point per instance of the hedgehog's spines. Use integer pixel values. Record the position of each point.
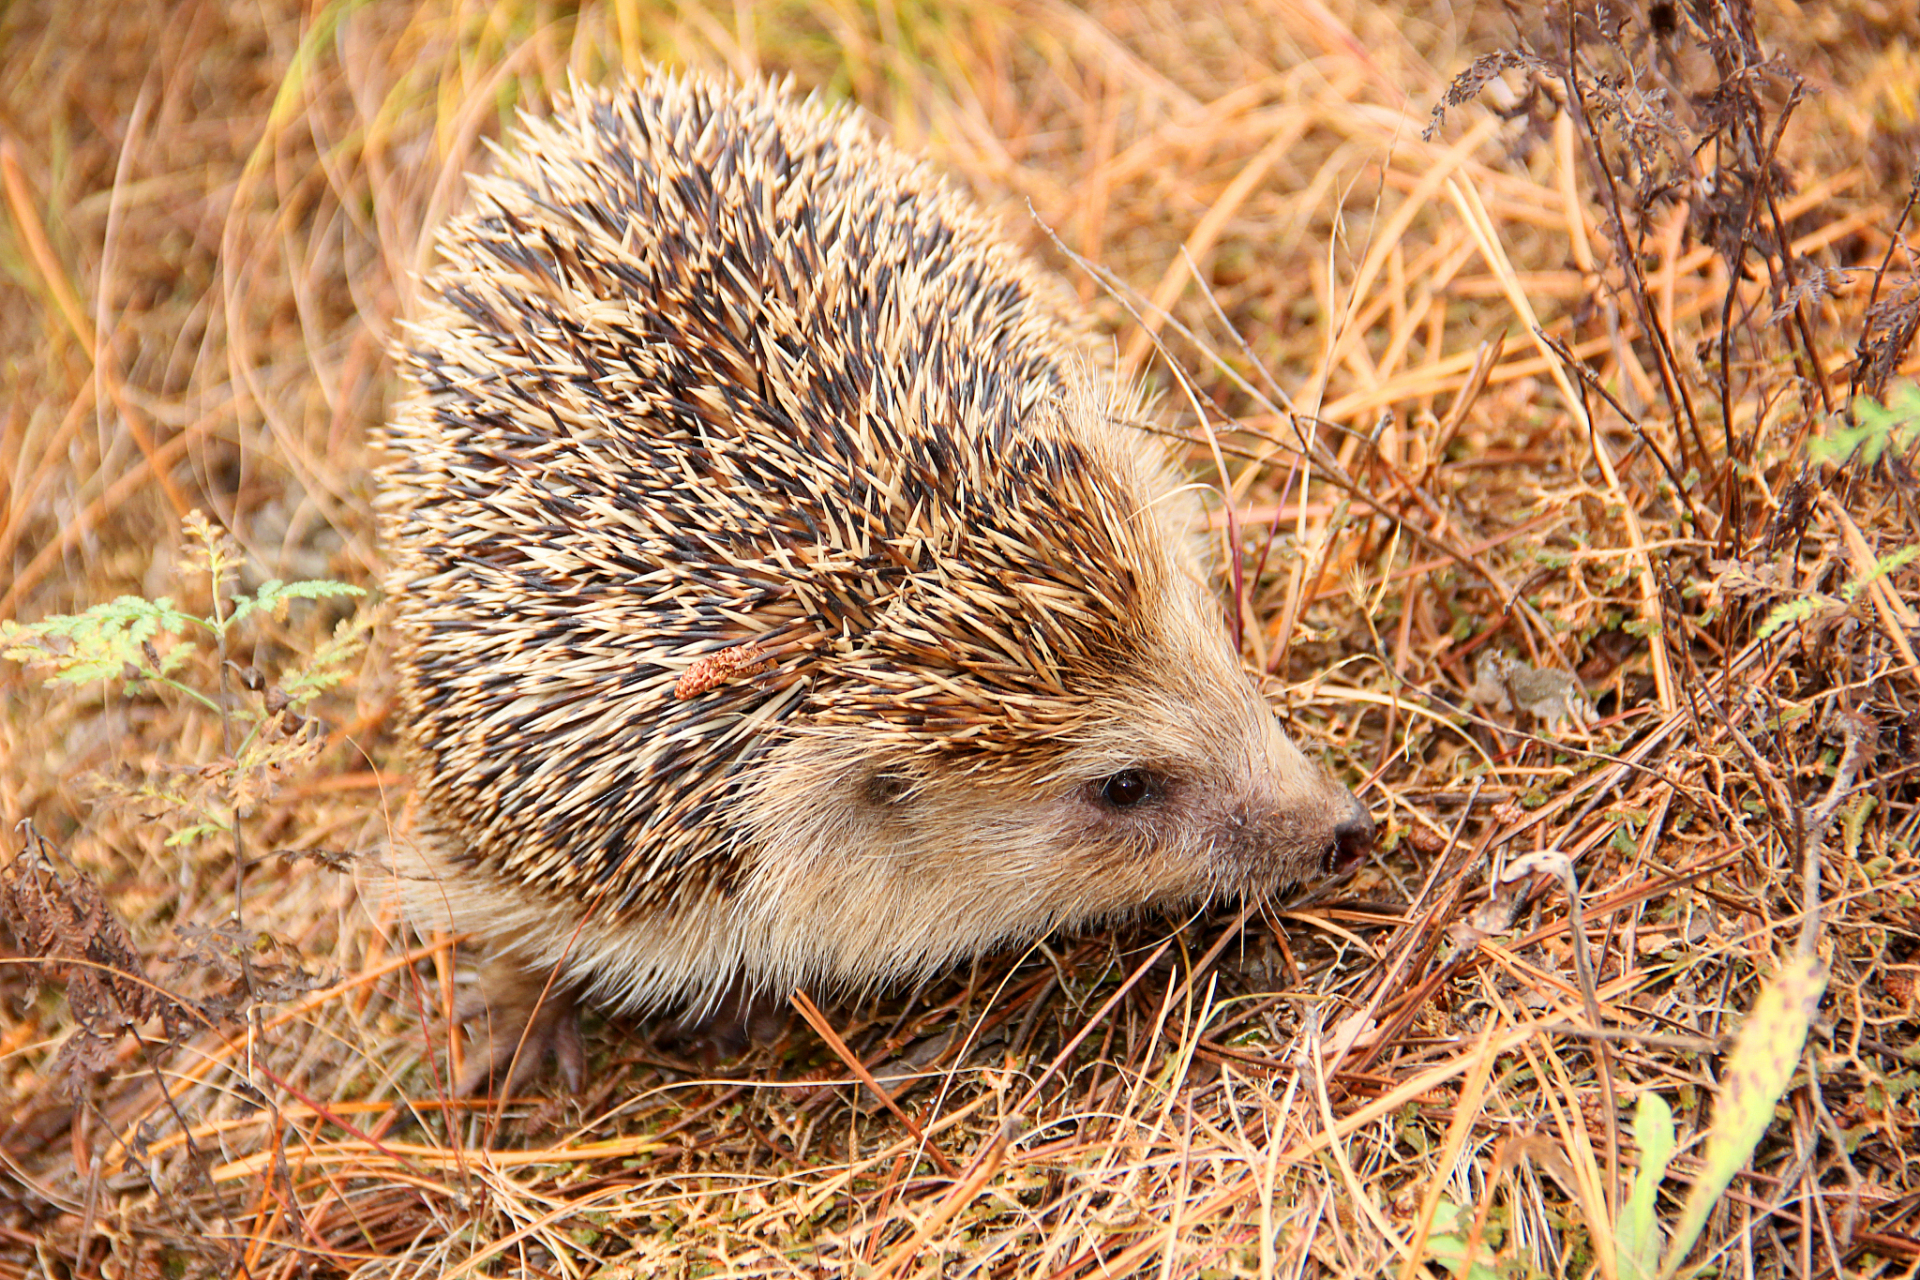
(706, 372)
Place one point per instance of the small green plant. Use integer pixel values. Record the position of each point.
(1453, 1247)
(156, 648)
(1877, 428)
(1752, 1082)
(1817, 607)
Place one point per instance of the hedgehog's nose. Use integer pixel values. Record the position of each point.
(1352, 842)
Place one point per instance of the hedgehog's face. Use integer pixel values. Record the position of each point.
(1169, 792)
(1181, 786)
(1207, 800)
(1187, 790)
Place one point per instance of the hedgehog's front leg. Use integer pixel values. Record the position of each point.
(519, 1017)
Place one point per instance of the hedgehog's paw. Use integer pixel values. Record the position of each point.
(737, 1021)
(519, 1019)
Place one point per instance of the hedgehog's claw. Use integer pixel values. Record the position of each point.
(518, 1018)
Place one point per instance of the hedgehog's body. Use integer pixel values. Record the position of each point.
(706, 371)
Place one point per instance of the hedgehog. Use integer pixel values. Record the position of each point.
(784, 598)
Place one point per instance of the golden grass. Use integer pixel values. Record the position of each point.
(1441, 413)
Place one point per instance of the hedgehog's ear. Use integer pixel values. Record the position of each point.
(881, 786)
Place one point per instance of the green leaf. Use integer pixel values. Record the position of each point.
(1450, 1249)
(1889, 563)
(1754, 1078)
(1877, 428)
(198, 831)
(1636, 1235)
(1791, 612)
(328, 665)
(101, 643)
(274, 594)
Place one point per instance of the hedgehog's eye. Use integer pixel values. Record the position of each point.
(1127, 788)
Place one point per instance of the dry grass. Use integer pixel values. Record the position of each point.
(1551, 381)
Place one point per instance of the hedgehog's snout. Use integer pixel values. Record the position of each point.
(1352, 841)
(1327, 828)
